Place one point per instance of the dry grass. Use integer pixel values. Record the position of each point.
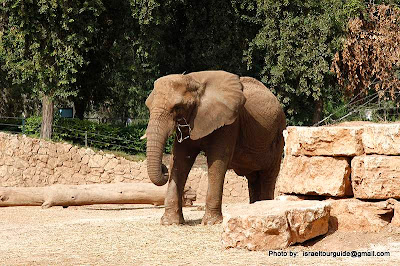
(131, 235)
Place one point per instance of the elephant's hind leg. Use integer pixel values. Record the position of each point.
(261, 185)
(254, 186)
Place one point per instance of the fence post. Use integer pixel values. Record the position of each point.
(23, 124)
(85, 138)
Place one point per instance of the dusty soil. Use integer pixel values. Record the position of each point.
(131, 235)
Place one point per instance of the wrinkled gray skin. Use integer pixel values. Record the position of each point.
(237, 122)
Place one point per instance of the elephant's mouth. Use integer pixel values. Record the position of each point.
(183, 129)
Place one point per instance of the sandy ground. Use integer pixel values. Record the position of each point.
(131, 235)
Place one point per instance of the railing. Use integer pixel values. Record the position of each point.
(12, 124)
(83, 137)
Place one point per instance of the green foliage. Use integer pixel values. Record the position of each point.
(32, 126)
(43, 43)
(104, 56)
(293, 49)
(99, 136)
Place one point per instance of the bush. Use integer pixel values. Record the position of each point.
(100, 136)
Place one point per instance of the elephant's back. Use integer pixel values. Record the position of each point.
(262, 104)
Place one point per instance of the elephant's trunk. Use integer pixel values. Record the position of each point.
(158, 129)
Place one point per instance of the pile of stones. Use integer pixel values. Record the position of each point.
(353, 168)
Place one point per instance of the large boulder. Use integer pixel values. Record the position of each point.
(382, 139)
(317, 175)
(326, 141)
(273, 224)
(359, 216)
(376, 176)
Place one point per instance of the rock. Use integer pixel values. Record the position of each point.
(382, 139)
(296, 197)
(359, 216)
(392, 204)
(271, 224)
(376, 176)
(328, 176)
(330, 141)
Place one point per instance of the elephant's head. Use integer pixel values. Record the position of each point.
(204, 100)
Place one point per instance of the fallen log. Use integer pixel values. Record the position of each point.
(78, 195)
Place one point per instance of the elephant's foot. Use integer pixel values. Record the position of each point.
(211, 218)
(172, 218)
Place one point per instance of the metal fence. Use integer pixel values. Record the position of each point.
(12, 124)
(17, 125)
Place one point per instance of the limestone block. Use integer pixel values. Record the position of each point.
(84, 169)
(97, 161)
(75, 156)
(112, 163)
(202, 187)
(42, 157)
(43, 150)
(85, 159)
(53, 163)
(271, 224)
(3, 170)
(382, 139)
(330, 141)
(20, 164)
(69, 164)
(119, 169)
(77, 167)
(52, 150)
(376, 176)
(394, 205)
(357, 215)
(329, 176)
(8, 160)
(63, 157)
(290, 197)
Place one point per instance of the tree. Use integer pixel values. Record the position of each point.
(293, 49)
(370, 59)
(43, 45)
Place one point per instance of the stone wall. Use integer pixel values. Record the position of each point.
(360, 160)
(27, 161)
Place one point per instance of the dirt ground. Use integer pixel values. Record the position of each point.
(131, 235)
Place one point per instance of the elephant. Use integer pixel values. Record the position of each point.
(236, 121)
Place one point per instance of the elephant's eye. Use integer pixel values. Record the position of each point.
(179, 109)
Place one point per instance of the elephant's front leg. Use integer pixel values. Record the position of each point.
(219, 155)
(181, 162)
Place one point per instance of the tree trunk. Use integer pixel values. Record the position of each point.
(77, 195)
(80, 108)
(47, 117)
(318, 111)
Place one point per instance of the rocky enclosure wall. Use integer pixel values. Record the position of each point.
(33, 162)
(360, 160)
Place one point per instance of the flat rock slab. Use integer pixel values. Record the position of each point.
(273, 224)
(317, 175)
(376, 176)
(382, 139)
(326, 141)
(359, 216)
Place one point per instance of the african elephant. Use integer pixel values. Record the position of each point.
(237, 122)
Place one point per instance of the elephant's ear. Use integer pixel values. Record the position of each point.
(149, 101)
(220, 102)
